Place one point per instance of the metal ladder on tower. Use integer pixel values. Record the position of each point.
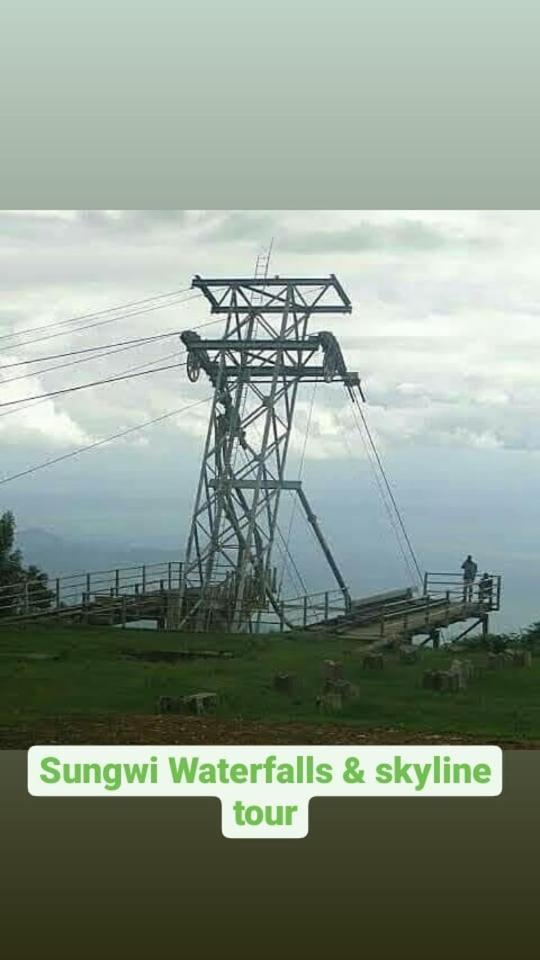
(262, 265)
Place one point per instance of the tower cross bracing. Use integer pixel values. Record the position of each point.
(255, 368)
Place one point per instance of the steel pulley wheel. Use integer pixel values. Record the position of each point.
(193, 367)
(329, 367)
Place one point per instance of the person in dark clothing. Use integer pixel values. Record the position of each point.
(485, 589)
(470, 569)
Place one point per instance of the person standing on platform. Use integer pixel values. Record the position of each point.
(470, 569)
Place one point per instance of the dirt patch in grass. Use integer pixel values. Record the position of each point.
(145, 729)
(172, 656)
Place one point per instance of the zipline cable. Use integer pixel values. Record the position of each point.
(72, 363)
(100, 443)
(41, 397)
(139, 366)
(74, 353)
(373, 447)
(107, 348)
(101, 323)
(95, 314)
(384, 500)
(92, 383)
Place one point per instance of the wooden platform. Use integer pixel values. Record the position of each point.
(413, 619)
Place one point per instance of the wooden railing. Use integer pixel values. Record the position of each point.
(33, 596)
(484, 591)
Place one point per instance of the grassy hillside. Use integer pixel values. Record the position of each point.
(93, 676)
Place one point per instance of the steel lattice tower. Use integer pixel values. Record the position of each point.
(255, 368)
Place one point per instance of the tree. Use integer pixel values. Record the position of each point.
(22, 589)
(7, 540)
(531, 635)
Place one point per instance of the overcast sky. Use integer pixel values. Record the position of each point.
(444, 332)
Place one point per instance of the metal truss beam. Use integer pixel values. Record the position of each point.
(256, 369)
(318, 294)
(296, 486)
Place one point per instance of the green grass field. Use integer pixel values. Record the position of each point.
(92, 677)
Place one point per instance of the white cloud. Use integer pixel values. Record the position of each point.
(445, 331)
(43, 422)
(445, 334)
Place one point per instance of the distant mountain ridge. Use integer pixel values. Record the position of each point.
(58, 556)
